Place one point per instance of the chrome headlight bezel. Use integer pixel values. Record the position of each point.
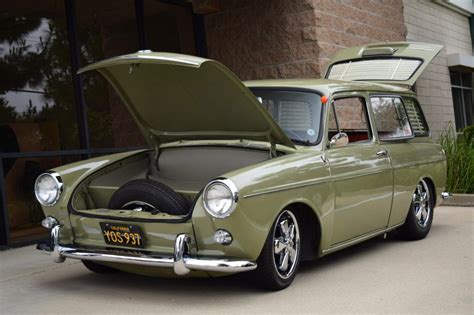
(58, 186)
(234, 196)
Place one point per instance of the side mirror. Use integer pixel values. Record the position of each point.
(339, 140)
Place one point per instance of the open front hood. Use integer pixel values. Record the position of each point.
(392, 63)
(178, 97)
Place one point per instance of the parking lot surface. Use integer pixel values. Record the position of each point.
(433, 276)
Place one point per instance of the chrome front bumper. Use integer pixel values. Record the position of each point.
(181, 262)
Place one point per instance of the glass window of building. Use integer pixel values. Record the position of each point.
(37, 111)
(107, 29)
(43, 103)
(461, 87)
(24, 212)
(169, 27)
(37, 108)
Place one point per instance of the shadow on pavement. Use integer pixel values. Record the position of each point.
(243, 284)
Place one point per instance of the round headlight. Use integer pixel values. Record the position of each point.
(48, 189)
(220, 198)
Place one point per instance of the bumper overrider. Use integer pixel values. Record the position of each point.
(180, 261)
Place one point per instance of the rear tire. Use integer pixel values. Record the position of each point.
(97, 268)
(280, 257)
(420, 216)
(150, 196)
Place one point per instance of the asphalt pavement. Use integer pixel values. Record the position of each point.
(434, 276)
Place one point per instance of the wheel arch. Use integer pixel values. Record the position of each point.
(311, 229)
(432, 186)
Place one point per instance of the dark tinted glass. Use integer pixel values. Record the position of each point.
(169, 27)
(466, 78)
(458, 108)
(455, 77)
(468, 107)
(37, 111)
(24, 212)
(107, 29)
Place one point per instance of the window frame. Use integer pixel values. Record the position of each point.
(395, 139)
(332, 108)
(462, 88)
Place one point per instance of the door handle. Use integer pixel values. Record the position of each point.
(382, 153)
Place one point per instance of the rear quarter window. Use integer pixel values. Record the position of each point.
(416, 117)
(391, 118)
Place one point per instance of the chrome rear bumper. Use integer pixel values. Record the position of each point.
(446, 195)
(181, 262)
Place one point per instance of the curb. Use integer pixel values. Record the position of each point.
(459, 200)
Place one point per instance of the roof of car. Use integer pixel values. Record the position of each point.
(326, 86)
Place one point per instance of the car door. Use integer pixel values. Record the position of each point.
(361, 171)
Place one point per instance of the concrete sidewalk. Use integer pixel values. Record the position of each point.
(434, 275)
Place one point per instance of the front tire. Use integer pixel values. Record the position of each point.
(280, 257)
(420, 216)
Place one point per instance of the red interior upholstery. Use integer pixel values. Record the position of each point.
(355, 136)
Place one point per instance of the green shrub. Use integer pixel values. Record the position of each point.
(459, 150)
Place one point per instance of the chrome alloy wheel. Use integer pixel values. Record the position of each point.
(422, 203)
(286, 244)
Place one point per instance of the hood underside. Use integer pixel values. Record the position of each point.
(178, 97)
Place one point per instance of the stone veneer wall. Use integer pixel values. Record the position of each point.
(432, 23)
(261, 39)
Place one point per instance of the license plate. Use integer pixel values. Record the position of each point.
(122, 234)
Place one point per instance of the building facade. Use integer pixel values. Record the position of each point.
(445, 87)
(50, 116)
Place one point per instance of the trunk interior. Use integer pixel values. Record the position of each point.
(186, 170)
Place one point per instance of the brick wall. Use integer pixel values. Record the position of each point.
(261, 39)
(432, 23)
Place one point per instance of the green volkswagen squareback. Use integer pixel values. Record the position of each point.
(250, 176)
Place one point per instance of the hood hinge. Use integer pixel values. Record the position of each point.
(273, 151)
(154, 157)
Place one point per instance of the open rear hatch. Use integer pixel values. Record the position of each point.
(392, 63)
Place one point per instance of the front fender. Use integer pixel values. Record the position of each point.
(72, 175)
(264, 190)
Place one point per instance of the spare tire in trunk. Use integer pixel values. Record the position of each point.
(149, 195)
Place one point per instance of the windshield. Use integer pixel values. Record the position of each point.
(298, 113)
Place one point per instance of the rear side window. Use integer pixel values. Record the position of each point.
(391, 118)
(417, 119)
